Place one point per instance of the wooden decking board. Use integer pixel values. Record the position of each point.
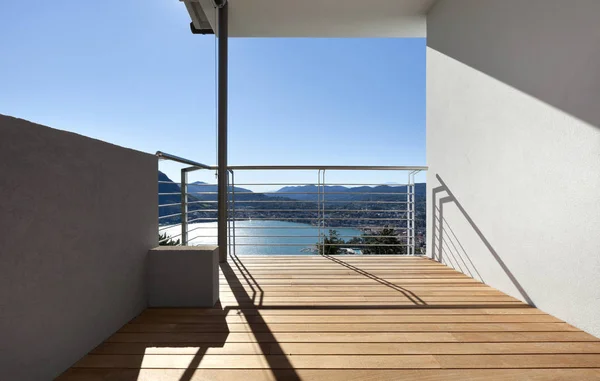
(261, 361)
(302, 337)
(349, 319)
(329, 361)
(351, 337)
(347, 327)
(372, 304)
(377, 298)
(96, 374)
(353, 349)
(345, 318)
(387, 290)
(520, 309)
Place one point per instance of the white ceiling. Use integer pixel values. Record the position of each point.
(323, 18)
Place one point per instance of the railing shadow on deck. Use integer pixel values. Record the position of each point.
(407, 293)
(283, 369)
(440, 226)
(257, 291)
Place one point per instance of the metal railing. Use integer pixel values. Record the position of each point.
(311, 215)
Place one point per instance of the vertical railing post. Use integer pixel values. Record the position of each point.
(412, 213)
(408, 235)
(414, 216)
(323, 214)
(228, 218)
(184, 207)
(319, 213)
(222, 128)
(232, 216)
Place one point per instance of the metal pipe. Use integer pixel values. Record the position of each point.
(167, 156)
(319, 210)
(329, 167)
(184, 208)
(164, 155)
(233, 207)
(222, 129)
(229, 246)
(408, 200)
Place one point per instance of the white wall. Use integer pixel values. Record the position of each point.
(513, 146)
(77, 218)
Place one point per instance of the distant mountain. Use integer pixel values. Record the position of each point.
(341, 193)
(169, 193)
(208, 192)
(200, 189)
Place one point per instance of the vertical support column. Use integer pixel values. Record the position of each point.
(222, 129)
(184, 207)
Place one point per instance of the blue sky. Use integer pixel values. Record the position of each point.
(135, 76)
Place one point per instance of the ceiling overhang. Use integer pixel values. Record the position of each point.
(315, 18)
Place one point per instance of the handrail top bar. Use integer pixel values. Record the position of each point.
(329, 167)
(167, 156)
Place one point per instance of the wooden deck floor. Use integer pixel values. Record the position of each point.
(345, 318)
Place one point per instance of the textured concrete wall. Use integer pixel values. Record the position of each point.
(513, 146)
(77, 217)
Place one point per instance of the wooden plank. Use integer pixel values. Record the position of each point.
(348, 319)
(345, 327)
(417, 299)
(383, 290)
(374, 292)
(354, 275)
(491, 337)
(259, 362)
(352, 348)
(304, 337)
(474, 287)
(351, 337)
(244, 303)
(357, 281)
(359, 310)
(339, 268)
(208, 361)
(519, 361)
(96, 374)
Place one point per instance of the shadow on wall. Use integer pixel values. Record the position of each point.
(527, 45)
(445, 245)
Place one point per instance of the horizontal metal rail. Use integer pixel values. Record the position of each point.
(326, 168)
(282, 194)
(368, 217)
(164, 155)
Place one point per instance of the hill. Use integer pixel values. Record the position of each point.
(362, 193)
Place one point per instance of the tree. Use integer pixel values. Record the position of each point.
(331, 244)
(383, 242)
(164, 240)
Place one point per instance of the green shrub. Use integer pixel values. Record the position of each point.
(165, 240)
